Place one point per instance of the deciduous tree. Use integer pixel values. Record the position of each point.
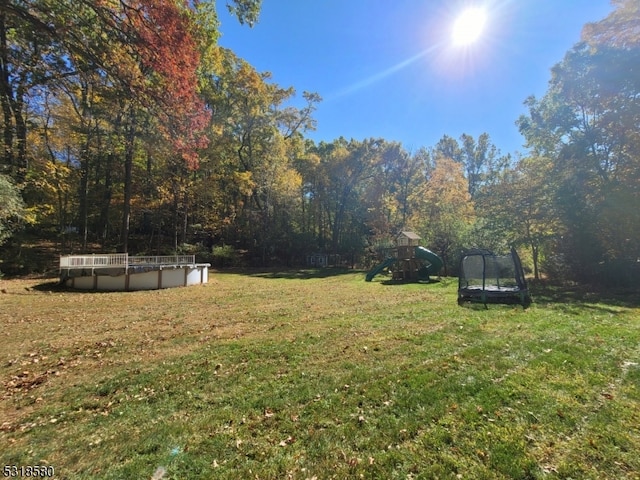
(519, 208)
(446, 210)
(11, 208)
(587, 124)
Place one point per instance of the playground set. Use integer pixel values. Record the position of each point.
(409, 262)
(484, 276)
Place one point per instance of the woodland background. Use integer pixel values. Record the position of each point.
(125, 127)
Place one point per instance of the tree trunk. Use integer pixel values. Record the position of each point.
(535, 254)
(128, 184)
(175, 215)
(83, 200)
(185, 216)
(106, 200)
(6, 95)
(20, 160)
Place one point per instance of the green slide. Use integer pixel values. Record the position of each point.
(434, 260)
(434, 264)
(379, 268)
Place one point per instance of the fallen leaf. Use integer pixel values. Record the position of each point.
(159, 473)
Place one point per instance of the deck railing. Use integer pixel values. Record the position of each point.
(163, 260)
(122, 260)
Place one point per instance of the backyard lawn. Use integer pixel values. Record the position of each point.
(317, 375)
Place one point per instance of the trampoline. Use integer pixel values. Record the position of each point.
(489, 278)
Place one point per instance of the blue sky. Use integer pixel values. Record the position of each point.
(388, 68)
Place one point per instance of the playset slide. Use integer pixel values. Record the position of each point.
(435, 263)
(434, 260)
(376, 270)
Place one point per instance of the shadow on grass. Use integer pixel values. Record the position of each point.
(50, 285)
(585, 296)
(54, 286)
(407, 282)
(298, 274)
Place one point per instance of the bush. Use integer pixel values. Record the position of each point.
(198, 250)
(12, 210)
(225, 256)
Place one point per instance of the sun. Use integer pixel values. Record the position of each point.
(468, 26)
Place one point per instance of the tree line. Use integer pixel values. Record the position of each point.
(126, 127)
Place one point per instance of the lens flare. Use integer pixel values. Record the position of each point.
(469, 26)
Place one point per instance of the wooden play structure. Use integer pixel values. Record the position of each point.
(408, 265)
(409, 262)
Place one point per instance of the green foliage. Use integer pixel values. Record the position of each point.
(226, 256)
(481, 160)
(247, 11)
(519, 208)
(145, 142)
(586, 126)
(445, 214)
(12, 209)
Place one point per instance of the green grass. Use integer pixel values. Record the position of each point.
(298, 375)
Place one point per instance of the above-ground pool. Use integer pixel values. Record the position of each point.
(121, 272)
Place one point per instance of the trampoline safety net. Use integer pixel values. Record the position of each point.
(489, 278)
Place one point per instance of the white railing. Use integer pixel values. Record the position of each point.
(94, 261)
(122, 260)
(163, 260)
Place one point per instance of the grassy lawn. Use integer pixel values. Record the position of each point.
(294, 375)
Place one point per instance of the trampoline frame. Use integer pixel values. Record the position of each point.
(491, 291)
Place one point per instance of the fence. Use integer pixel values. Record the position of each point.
(122, 260)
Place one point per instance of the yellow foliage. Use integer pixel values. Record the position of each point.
(289, 182)
(32, 214)
(245, 182)
(447, 193)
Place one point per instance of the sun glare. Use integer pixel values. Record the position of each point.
(469, 26)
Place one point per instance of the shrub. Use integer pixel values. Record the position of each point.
(225, 256)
